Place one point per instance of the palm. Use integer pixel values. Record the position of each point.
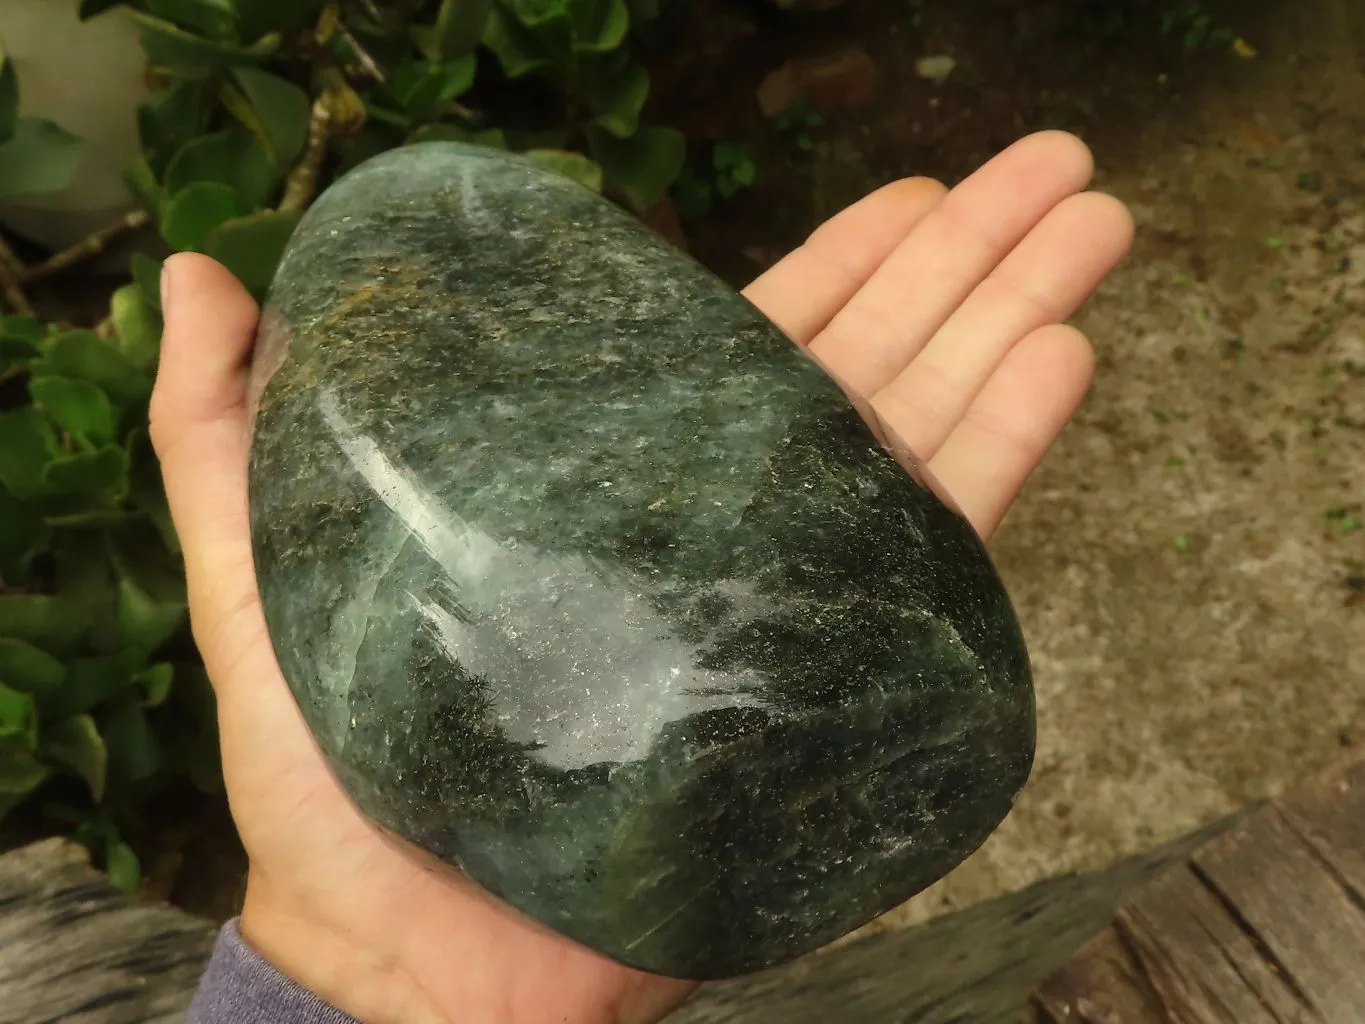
(940, 315)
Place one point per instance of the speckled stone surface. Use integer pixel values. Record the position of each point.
(590, 583)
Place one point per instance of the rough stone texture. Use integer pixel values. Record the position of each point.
(591, 583)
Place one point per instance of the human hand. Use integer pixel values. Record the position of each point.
(939, 312)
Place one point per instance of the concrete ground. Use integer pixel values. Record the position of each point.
(1189, 562)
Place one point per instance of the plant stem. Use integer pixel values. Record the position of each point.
(92, 245)
(303, 179)
(11, 281)
(366, 61)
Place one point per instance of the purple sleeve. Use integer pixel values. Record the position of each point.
(239, 987)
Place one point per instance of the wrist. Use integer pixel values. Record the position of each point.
(351, 971)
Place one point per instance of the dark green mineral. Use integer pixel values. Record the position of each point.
(592, 584)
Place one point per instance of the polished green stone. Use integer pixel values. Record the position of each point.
(590, 583)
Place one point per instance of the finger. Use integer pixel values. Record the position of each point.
(807, 287)
(198, 425)
(948, 253)
(1013, 422)
(1043, 281)
(210, 322)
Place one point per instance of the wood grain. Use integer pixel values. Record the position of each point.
(74, 950)
(1264, 924)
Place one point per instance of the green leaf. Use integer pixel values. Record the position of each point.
(190, 55)
(284, 111)
(618, 97)
(197, 753)
(642, 12)
(459, 26)
(492, 137)
(259, 17)
(55, 623)
(27, 442)
(9, 97)
(251, 246)
(22, 328)
(423, 90)
(20, 774)
(136, 322)
(541, 14)
(16, 351)
(580, 168)
(29, 669)
(374, 138)
(86, 355)
(18, 719)
(22, 535)
(104, 471)
(134, 753)
(90, 682)
(146, 622)
(147, 273)
(85, 580)
(734, 163)
(121, 865)
(90, 8)
(77, 406)
(146, 491)
(170, 119)
(91, 519)
(641, 167)
(193, 212)
(230, 158)
(516, 49)
(40, 157)
(143, 185)
(215, 19)
(150, 588)
(155, 681)
(75, 743)
(599, 27)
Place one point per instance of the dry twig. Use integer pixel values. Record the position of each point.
(303, 179)
(88, 247)
(361, 54)
(11, 281)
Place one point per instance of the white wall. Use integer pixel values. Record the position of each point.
(89, 79)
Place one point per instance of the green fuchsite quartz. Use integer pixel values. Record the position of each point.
(593, 585)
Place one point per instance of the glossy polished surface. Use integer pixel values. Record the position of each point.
(590, 583)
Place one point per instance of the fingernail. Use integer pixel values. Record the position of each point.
(165, 288)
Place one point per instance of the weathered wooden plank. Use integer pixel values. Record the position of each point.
(1197, 960)
(1102, 987)
(73, 950)
(1173, 954)
(1265, 924)
(1326, 813)
(1281, 893)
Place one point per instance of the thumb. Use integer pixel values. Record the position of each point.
(200, 430)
